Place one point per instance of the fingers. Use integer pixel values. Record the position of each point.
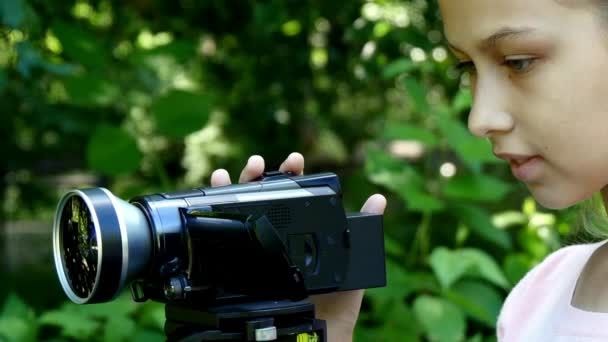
(253, 169)
(374, 205)
(293, 163)
(220, 177)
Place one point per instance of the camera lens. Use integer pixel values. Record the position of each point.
(100, 243)
(80, 246)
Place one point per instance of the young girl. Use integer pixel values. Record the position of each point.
(539, 72)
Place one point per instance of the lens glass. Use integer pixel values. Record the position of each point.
(80, 246)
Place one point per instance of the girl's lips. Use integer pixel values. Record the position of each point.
(527, 170)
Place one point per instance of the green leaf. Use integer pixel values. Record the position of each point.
(476, 188)
(180, 113)
(119, 328)
(468, 147)
(15, 307)
(477, 149)
(80, 45)
(532, 243)
(378, 160)
(393, 247)
(113, 151)
(121, 307)
(398, 67)
(462, 101)
(508, 219)
(30, 58)
(396, 175)
(480, 222)
(14, 329)
(417, 94)
(72, 324)
(152, 315)
(476, 338)
(440, 319)
(410, 132)
(91, 91)
(420, 201)
(450, 266)
(3, 80)
(148, 336)
(478, 300)
(400, 284)
(17, 14)
(400, 324)
(516, 266)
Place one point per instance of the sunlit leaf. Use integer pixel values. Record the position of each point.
(440, 319)
(291, 28)
(508, 219)
(113, 151)
(180, 113)
(450, 266)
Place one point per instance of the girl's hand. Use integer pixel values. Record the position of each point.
(340, 309)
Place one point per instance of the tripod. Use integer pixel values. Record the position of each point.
(283, 321)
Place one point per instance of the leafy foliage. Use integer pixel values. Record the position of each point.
(151, 95)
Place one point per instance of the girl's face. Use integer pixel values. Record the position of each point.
(539, 76)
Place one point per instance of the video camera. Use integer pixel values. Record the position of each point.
(232, 263)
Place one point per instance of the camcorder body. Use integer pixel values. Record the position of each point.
(278, 239)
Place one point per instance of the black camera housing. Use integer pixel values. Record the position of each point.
(281, 237)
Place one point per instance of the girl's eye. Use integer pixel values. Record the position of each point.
(519, 64)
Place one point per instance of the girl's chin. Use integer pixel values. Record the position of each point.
(553, 199)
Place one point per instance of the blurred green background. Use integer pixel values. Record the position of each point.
(142, 96)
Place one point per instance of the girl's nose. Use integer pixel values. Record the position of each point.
(488, 117)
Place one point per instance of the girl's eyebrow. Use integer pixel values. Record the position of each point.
(490, 42)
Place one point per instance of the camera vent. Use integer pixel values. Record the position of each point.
(279, 216)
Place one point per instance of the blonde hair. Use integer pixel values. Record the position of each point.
(592, 221)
